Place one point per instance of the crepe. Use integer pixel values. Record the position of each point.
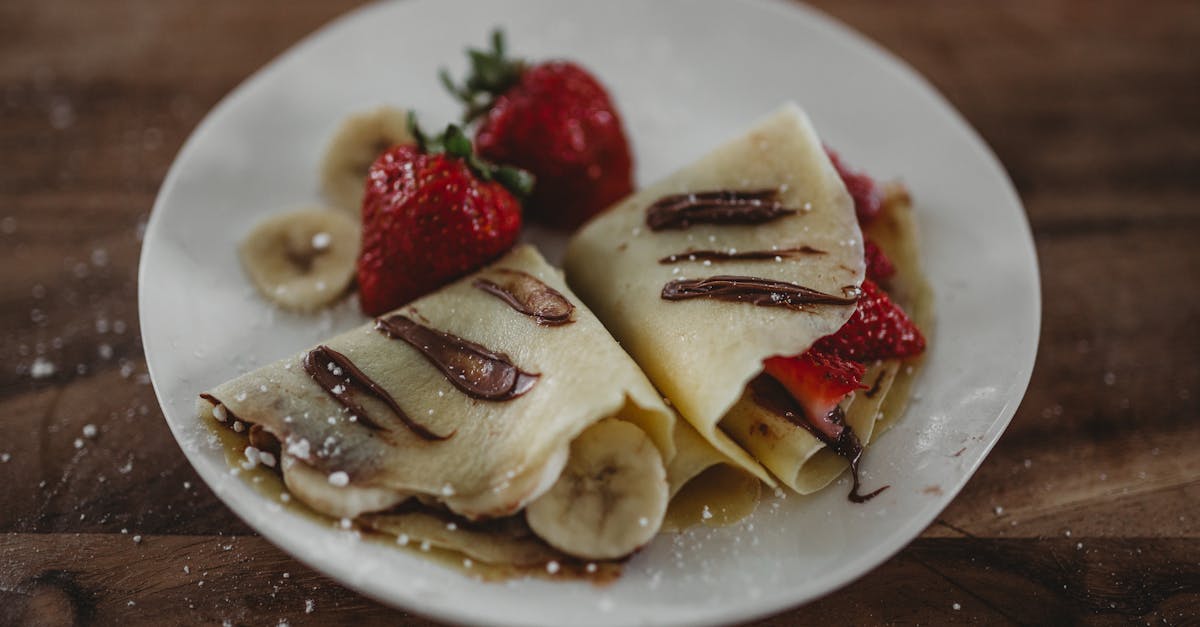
(895, 231)
(706, 486)
(506, 541)
(792, 453)
(483, 439)
(767, 205)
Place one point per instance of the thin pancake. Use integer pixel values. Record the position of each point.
(701, 351)
(482, 458)
(792, 453)
(896, 233)
(507, 543)
(706, 486)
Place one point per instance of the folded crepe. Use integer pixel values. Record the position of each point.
(765, 424)
(753, 251)
(895, 232)
(795, 455)
(706, 486)
(470, 399)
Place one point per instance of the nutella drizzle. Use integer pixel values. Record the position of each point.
(749, 255)
(875, 386)
(213, 400)
(229, 412)
(336, 374)
(527, 295)
(726, 206)
(477, 371)
(772, 396)
(761, 292)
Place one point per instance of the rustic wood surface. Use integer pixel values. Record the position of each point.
(1088, 510)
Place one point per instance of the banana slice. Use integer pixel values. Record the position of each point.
(331, 496)
(302, 260)
(358, 142)
(610, 499)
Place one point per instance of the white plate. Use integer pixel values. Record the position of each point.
(686, 74)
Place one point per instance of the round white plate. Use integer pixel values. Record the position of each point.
(686, 74)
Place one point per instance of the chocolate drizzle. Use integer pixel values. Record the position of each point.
(726, 206)
(773, 397)
(477, 371)
(761, 292)
(214, 401)
(749, 255)
(337, 375)
(528, 295)
(875, 386)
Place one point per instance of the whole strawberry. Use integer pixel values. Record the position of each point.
(432, 213)
(555, 120)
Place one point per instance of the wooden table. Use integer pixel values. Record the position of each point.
(1087, 510)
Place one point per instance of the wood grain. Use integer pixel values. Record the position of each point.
(160, 579)
(1088, 510)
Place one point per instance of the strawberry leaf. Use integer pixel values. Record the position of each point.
(492, 73)
(519, 182)
(456, 143)
(453, 142)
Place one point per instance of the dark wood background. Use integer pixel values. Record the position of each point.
(1088, 510)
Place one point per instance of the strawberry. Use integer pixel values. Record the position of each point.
(432, 213)
(818, 381)
(879, 267)
(868, 200)
(555, 120)
(878, 329)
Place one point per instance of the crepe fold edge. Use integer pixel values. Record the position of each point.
(275, 395)
(605, 262)
(791, 453)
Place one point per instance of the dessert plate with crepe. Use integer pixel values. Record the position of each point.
(498, 394)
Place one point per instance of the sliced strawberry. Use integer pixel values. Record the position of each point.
(879, 267)
(818, 382)
(878, 329)
(868, 200)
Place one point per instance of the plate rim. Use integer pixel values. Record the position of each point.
(849, 571)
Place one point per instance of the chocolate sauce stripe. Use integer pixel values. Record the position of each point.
(757, 291)
(681, 211)
(874, 389)
(228, 412)
(472, 368)
(529, 296)
(749, 255)
(320, 362)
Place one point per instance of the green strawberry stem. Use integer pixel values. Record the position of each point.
(454, 142)
(492, 74)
